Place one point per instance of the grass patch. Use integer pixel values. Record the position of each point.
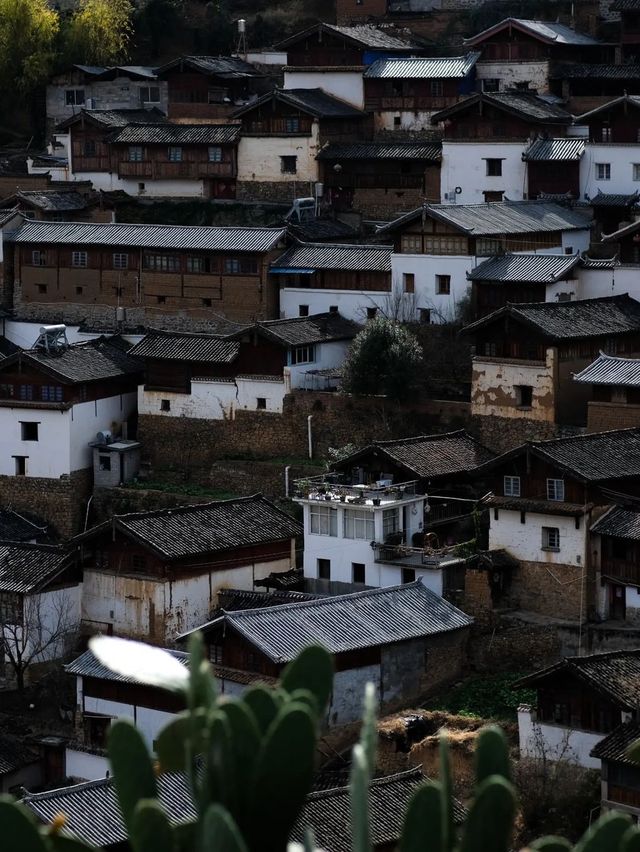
(488, 696)
(187, 489)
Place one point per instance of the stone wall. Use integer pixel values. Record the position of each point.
(273, 190)
(501, 434)
(558, 591)
(515, 646)
(602, 416)
(477, 597)
(61, 502)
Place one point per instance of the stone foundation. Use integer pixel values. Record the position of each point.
(61, 502)
(502, 434)
(554, 590)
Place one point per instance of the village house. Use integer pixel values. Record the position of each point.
(149, 275)
(620, 778)
(585, 86)
(71, 203)
(615, 392)
(204, 89)
(406, 640)
(437, 245)
(517, 52)
(40, 591)
(152, 575)
(10, 223)
(20, 766)
(552, 167)
(354, 280)
(54, 399)
(212, 377)
(629, 30)
(615, 538)
(484, 139)
(96, 88)
(282, 132)
(377, 178)
(405, 92)
(545, 497)
(526, 355)
(580, 701)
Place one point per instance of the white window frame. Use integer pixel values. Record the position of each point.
(359, 524)
(550, 538)
(303, 354)
(149, 99)
(79, 259)
(603, 171)
(390, 522)
(511, 486)
(323, 520)
(555, 490)
(120, 260)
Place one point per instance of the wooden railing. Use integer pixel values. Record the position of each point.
(155, 170)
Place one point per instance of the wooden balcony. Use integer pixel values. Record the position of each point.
(278, 127)
(621, 569)
(412, 103)
(155, 170)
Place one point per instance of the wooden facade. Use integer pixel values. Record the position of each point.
(511, 44)
(25, 383)
(488, 296)
(276, 117)
(565, 700)
(416, 95)
(384, 176)
(482, 121)
(338, 279)
(555, 177)
(619, 123)
(200, 96)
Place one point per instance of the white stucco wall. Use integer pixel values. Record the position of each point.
(620, 157)
(147, 720)
(215, 399)
(494, 382)
(410, 120)
(348, 693)
(327, 356)
(524, 541)
(89, 418)
(510, 73)
(86, 766)
(345, 85)
(556, 741)
(109, 181)
(426, 267)
(610, 282)
(45, 616)
(464, 165)
(352, 304)
(259, 159)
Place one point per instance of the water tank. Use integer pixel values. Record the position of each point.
(120, 314)
(242, 24)
(53, 329)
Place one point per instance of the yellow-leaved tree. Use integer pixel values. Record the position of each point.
(28, 32)
(99, 32)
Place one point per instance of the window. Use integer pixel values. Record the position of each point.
(161, 262)
(197, 265)
(96, 731)
(494, 167)
(138, 562)
(79, 291)
(292, 124)
(636, 171)
(149, 94)
(358, 524)
(42, 288)
(603, 171)
(136, 154)
(26, 393)
(206, 303)
(38, 258)
(28, 431)
(165, 405)
(161, 300)
(524, 396)
(555, 489)
(408, 575)
(141, 187)
(175, 154)
(397, 121)
(485, 247)
(21, 465)
(74, 97)
(411, 243)
(437, 88)
(214, 153)
(324, 520)
(303, 355)
(425, 315)
(408, 282)
(51, 393)
(511, 486)
(443, 285)
(491, 196)
(261, 403)
(324, 569)
(104, 461)
(120, 261)
(358, 572)
(288, 165)
(390, 522)
(240, 266)
(89, 148)
(303, 310)
(605, 134)
(550, 538)
(492, 84)
(79, 258)
(372, 313)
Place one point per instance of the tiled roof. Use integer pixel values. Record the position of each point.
(611, 370)
(348, 622)
(235, 599)
(631, 100)
(196, 237)
(92, 361)
(554, 149)
(319, 328)
(599, 262)
(545, 507)
(86, 665)
(369, 258)
(24, 526)
(609, 315)
(615, 675)
(116, 117)
(364, 35)
(228, 67)
(596, 456)
(315, 102)
(614, 746)
(206, 528)
(585, 71)
(619, 522)
(427, 456)
(322, 230)
(25, 568)
(328, 812)
(431, 151)
(532, 268)
(177, 134)
(550, 32)
(14, 754)
(184, 346)
(625, 231)
(56, 200)
(427, 68)
(498, 217)
(522, 104)
(614, 199)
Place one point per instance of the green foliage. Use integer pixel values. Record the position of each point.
(28, 32)
(385, 358)
(99, 32)
(487, 696)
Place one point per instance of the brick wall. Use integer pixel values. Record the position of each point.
(61, 502)
(552, 590)
(477, 597)
(501, 434)
(602, 416)
(515, 646)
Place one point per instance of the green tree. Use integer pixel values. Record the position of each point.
(28, 31)
(218, 30)
(99, 32)
(385, 358)
(158, 22)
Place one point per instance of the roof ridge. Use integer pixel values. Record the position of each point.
(381, 781)
(156, 225)
(84, 785)
(432, 436)
(155, 513)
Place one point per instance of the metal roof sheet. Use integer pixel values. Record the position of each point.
(611, 370)
(422, 68)
(382, 151)
(179, 134)
(499, 217)
(317, 328)
(532, 268)
(551, 32)
(370, 258)
(184, 346)
(625, 6)
(196, 237)
(619, 522)
(554, 149)
(86, 665)
(25, 568)
(228, 67)
(348, 622)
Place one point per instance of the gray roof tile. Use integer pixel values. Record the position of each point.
(318, 328)
(554, 149)
(614, 199)
(422, 68)
(614, 746)
(363, 35)
(611, 370)
(196, 237)
(14, 754)
(25, 568)
(315, 102)
(551, 32)
(92, 361)
(116, 117)
(619, 522)
(525, 105)
(227, 67)
(595, 457)
(631, 100)
(530, 268)
(176, 346)
(431, 151)
(348, 622)
(86, 665)
(56, 200)
(176, 134)
(370, 258)
(584, 71)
